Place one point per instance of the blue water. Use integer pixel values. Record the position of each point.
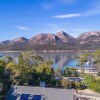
(72, 63)
(60, 60)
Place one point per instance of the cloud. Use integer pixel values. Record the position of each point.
(67, 16)
(94, 9)
(23, 28)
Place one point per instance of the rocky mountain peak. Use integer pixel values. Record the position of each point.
(19, 40)
(6, 42)
(44, 38)
(89, 37)
(88, 34)
(61, 33)
(65, 37)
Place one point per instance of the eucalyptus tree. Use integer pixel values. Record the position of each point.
(29, 68)
(82, 58)
(45, 72)
(22, 71)
(58, 72)
(96, 58)
(67, 72)
(7, 59)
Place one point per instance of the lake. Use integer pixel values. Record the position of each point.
(60, 59)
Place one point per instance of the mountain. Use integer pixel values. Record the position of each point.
(20, 40)
(66, 38)
(58, 41)
(6, 42)
(44, 38)
(58, 38)
(89, 38)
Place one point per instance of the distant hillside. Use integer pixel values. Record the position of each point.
(89, 38)
(59, 41)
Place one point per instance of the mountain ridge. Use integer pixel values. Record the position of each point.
(59, 40)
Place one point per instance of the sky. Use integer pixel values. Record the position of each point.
(30, 17)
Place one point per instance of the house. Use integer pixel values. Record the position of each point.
(73, 79)
(91, 70)
(39, 93)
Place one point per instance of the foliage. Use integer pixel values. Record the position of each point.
(92, 83)
(58, 72)
(67, 72)
(30, 70)
(95, 58)
(89, 78)
(66, 83)
(70, 72)
(82, 58)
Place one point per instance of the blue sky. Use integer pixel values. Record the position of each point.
(30, 17)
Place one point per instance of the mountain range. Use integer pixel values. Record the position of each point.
(62, 40)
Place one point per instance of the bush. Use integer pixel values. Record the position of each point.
(92, 83)
(65, 83)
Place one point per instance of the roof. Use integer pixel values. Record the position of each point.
(92, 68)
(15, 93)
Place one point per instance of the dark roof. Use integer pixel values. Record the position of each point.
(15, 93)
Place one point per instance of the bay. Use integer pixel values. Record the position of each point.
(60, 59)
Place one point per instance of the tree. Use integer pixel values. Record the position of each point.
(30, 69)
(4, 80)
(67, 72)
(58, 72)
(45, 71)
(88, 79)
(65, 83)
(74, 73)
(77, 85)
(82, 58)
(7, 59)
(13, 71)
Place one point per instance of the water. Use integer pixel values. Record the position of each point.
(61, 60)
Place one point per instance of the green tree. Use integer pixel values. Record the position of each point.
(58, 72)
(67, 72)
(7, 59)
(89, 78)
(65, 83)
(46, 72)
(77, 85)
(82, 58)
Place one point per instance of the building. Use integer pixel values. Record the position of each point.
(39, 93)
(74, 79)
(91, 70)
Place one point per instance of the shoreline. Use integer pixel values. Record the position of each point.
(53, 51)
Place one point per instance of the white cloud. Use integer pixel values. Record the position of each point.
(23, 28)
(67, 16)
